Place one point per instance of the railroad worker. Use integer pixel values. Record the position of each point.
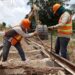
(14, 36)
(64, 29)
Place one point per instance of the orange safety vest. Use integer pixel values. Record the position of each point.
(66, 29)
(16, 39)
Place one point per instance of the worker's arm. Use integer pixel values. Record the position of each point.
(23, 34)
(65, 19)
(31, 34)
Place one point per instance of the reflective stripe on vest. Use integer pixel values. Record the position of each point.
(66, 29)
(16, 39)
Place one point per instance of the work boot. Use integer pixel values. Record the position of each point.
(27, 61)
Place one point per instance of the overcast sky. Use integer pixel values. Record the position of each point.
(13, 11)
(72, 2)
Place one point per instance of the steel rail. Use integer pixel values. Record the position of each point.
(66, 64)
(33, 69)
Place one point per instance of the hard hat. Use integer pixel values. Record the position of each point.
(25, 23)
(56, 7)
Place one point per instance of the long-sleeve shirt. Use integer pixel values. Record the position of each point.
(19, 31)
(65, 18)
(22, 33)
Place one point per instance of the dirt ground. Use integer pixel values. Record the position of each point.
(71, 49)
(34, 55)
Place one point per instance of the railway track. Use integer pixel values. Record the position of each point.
(63, 64)
(66, 64)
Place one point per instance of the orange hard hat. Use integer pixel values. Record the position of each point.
(56, 7)
(25, 23)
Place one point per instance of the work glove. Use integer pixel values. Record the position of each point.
(51, 27)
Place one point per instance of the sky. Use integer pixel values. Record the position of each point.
(70, 3)
(13, 11)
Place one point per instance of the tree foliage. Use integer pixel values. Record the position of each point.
(45, 13)
(73, 8)
(2, 25)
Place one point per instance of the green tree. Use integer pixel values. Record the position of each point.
(45, 13)
(72, 7)
(3, 24)
(42, 1)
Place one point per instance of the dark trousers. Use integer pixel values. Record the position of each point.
(61, 46)
(6, 48)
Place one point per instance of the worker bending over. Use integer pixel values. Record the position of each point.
(14, 36)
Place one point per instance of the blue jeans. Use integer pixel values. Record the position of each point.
(61, 46)
(6, 48)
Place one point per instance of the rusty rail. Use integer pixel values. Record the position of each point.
(66, 64)
(30, 70)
